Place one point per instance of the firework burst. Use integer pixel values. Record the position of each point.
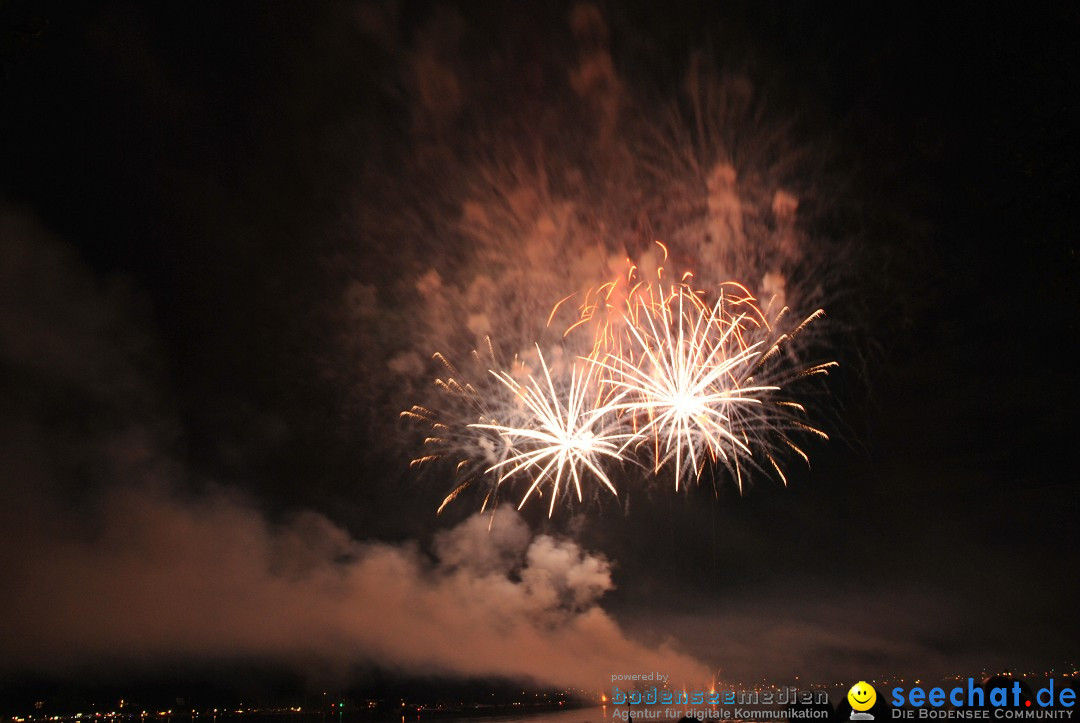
(701, 383)
(683, 379)
(668, 381)
(566, 435)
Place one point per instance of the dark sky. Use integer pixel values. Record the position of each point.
(218, 223)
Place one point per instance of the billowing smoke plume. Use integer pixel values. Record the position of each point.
(153, 578)
(543, 195)
(106, 553)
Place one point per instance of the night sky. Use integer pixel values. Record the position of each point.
(233, 235)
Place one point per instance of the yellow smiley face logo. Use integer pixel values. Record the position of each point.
(862, 696)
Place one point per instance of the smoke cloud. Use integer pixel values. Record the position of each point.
(155, 578)
(105, 553)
